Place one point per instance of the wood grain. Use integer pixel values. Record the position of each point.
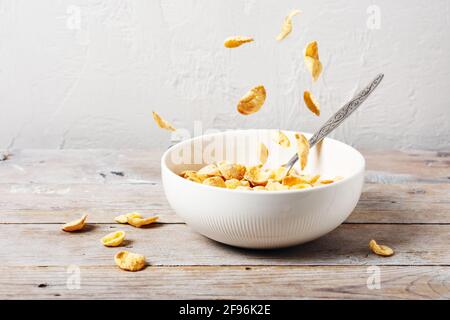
(81, 166)
(409, 166)
(38, 186)
(177, 244)
(350, 282)
(38, 203)
(141, 166)
(56, 203)
(405, 204)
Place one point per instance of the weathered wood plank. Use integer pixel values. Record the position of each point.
(34, 184)
(142, 166)
(38, 203)
(403, 203)
(41, 189)
(99, 282)
(409, 165)
(98, 215)
(177, 244)
(56, 203)
(82, 166)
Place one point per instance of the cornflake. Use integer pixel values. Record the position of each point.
(263, 154)
(260, 188)
(294, 180)
(123, 218)
(282, 139)
(193, 176)
(311, 103)
(312, 60)
(163, 124)
(252, 101)
(236, 41)
(129, 261)
(75, 225)
(275, 186)
(380, 250)
(231, 171)
(328, 181)
(279, 173)
(235, 183)
(314, 179)
(286, 28)
(302, 149)
(209, 170)
(215, 182)
(113, 239)
(257, 176)
(139, 222)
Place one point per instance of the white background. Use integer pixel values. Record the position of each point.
(87, 74)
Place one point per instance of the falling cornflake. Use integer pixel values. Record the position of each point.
(252, 101)
(312, 60)
(302, 149)
(311, 103)
(286, 28)
(236, 41)
(163, 124)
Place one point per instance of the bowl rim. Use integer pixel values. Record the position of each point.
(358, 171)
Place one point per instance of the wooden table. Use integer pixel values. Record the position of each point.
(405, 205)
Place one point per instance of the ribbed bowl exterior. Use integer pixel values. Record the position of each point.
(261, 219)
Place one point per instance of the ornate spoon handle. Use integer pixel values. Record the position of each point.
(339, 116)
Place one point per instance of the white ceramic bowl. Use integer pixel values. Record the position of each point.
(262, 219)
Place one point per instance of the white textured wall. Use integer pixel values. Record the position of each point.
(86, 74)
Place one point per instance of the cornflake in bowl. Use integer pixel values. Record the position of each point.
(255, 178)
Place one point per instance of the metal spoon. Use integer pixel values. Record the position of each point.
(339, 117)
